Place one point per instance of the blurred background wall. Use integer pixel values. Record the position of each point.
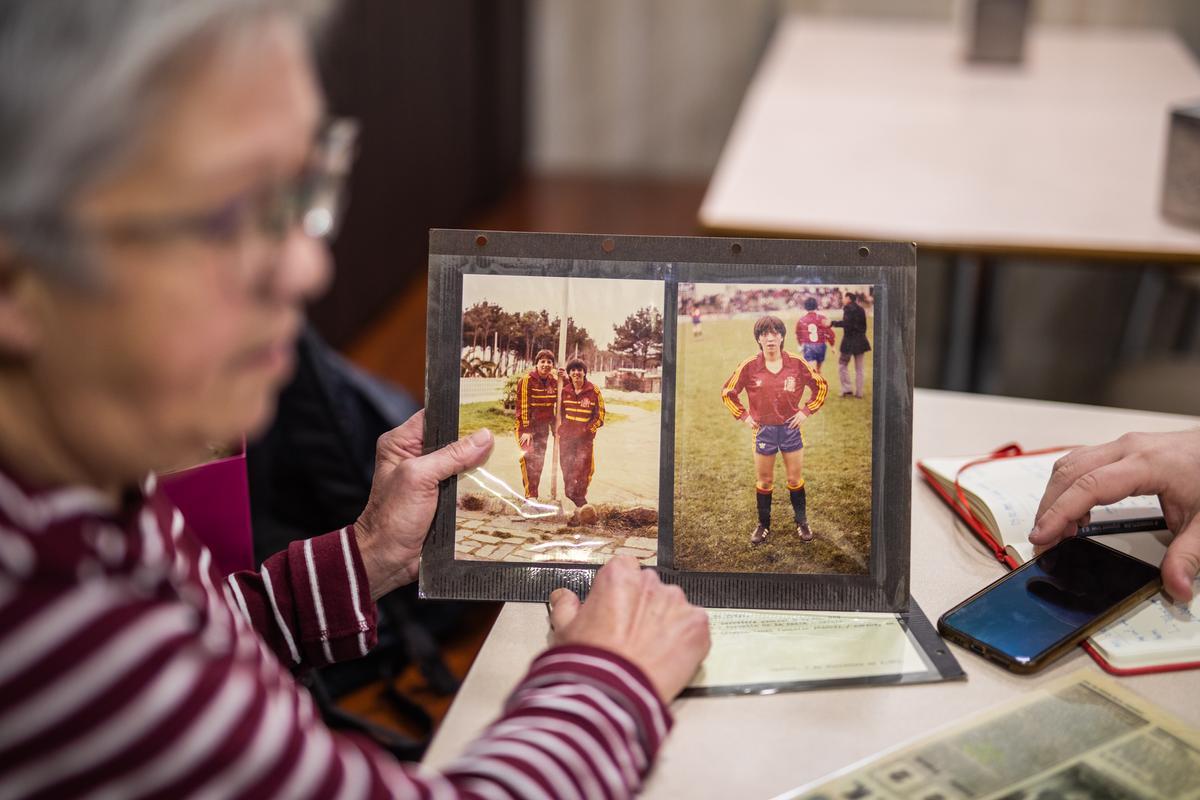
(652, 86)
(603, 116)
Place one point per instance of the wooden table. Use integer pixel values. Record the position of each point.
(883, 131)
(760, 746)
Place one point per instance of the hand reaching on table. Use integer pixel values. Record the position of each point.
(1163, 464)
(630, 612)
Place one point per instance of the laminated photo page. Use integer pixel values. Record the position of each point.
(733, 413)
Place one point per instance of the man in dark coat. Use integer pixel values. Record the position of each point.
(854, 344)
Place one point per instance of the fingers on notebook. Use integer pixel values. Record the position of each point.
(1063, 509)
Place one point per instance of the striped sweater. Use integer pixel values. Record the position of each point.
(130, 668)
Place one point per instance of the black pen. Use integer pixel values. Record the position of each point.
(1123, 526)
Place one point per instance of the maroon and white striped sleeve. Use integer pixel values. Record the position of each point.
(109, 692)
(128, 670)
(310, 603)
(584, 723)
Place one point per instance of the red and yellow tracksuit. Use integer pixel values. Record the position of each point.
(582, 416)
(535, 415)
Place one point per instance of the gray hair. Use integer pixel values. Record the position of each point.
(79, 79)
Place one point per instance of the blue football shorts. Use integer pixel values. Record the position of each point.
(813, 352)
(772, 439)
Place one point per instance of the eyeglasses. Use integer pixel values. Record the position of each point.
(312, 200)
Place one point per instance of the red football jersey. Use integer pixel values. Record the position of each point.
(814, 328)
(775, 397)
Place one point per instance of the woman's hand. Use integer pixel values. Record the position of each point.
(630, 612)
(392, 528)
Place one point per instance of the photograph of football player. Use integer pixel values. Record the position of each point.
(782, 392)
(546, 361)
(814, 333)
(582, 414)
(789, 489)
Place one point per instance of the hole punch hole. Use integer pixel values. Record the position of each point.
(481, 240)
(608, 245)
(736, 247)
(864, 251)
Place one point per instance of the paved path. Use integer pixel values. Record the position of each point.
(485, 536)
(626, 477)
(480, 390)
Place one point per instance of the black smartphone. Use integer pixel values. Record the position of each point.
(1037, 612)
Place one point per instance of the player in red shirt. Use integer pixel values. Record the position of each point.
(774, 382)
(582, 416)
(537, 392)
(813, 332)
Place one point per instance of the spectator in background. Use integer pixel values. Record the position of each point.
(165, 180)
(854, 345)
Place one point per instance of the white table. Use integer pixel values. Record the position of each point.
(853, 129)
(760, 746)
(882, 130)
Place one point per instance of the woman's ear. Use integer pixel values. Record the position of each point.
(18, 322)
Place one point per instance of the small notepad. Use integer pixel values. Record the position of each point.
(1156, 632)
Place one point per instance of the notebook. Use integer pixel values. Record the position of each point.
(1001, 493)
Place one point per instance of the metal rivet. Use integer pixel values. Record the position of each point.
(481, 240)
(864, 251)
(736, 247)
(608, 245)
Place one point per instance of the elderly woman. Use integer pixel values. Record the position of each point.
(165, 179)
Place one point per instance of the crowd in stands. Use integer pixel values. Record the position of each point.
(770, 299)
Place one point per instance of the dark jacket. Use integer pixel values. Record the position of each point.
(854, 326)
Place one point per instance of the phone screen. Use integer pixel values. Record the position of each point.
(1050, 599)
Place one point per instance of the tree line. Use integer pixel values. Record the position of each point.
(526, 332)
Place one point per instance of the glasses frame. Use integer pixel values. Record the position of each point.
(313, 200)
